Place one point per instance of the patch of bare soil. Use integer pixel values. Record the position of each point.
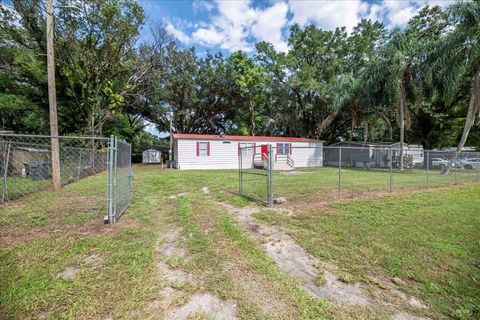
(14, 235)
(181, 194)
(205, 304)
(406, 316)
(69, 273)
(174, 300)
(298, 264)
(323, 199)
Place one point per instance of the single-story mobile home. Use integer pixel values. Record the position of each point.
(199, 151)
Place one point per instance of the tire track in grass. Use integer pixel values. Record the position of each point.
(298, 264)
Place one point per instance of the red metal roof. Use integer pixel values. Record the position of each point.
(239, 138)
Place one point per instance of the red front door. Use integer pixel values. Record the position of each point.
(264, 151)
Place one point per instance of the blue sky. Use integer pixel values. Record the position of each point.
(230, 25)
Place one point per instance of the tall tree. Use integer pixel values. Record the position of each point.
(251, 82)
(455, 58)
(308, 73)
(97, 49)
(396, 73)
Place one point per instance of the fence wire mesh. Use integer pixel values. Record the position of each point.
(255, 174)
(25, 168)
(305, 174)
(121, 179)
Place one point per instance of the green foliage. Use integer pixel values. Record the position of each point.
(94, 50)
(329, 85)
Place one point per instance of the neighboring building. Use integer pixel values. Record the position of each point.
(151, 156)
(197, 151)
(414, 154)
(22, 157)
(359, 154)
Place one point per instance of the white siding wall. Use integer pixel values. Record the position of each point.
(307, 154)
(224, 155)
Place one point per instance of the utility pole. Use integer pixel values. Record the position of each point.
(52, 99)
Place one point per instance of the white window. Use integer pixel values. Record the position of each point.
(247, 148)
(283, 148)
(203, 149)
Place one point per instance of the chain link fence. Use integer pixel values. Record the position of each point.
(104, 164)
(256, 173)
(312, 174)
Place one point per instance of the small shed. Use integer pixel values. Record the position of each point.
(151, 156)
(20, 158)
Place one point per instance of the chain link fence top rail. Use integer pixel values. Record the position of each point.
(25, 168)
(303, 174)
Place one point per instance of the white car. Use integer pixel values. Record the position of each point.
(469, 164)
(440, 163)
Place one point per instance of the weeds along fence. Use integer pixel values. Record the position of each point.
(101, 166)
(306, 173)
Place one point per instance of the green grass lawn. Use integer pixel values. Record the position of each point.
(324, 182)
(429, 241)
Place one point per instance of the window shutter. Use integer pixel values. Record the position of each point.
(278, 148)
(198, 148)
(290, 146)
(208, 149)
(238, 148)
(254, 148)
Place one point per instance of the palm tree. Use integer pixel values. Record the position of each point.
(456, 56)
(394, 77)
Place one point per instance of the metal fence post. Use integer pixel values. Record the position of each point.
(5, 173)
(240, 177)
(340, 172)
(455, 164)
(79, 164)
(111, 155)
(478, 167)
(269, 176)
(428, 169)
(390, 169)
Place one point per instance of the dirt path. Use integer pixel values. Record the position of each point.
(181, 298)
(297, 263)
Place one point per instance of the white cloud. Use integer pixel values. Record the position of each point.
(208, 36)
(328, 14)
(201, 5)
(269, 25)
(236, 22)
(398, 13)
(178, 34)
(237, 25)
(374, 13)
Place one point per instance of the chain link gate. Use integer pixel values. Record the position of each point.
(119, 179)
(255, 172)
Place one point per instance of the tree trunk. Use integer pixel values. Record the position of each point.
(252, 112)
(402, 124)
(326, 122)
(353, 125)
(365, 132)
(473, 109)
